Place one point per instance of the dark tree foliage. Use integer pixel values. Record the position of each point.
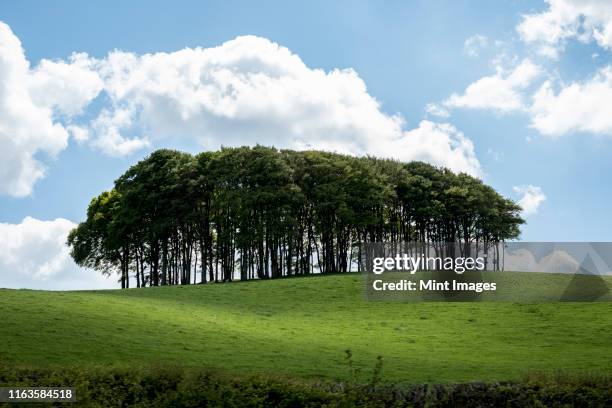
(257, 213)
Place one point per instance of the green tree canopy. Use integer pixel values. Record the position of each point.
(258, 212)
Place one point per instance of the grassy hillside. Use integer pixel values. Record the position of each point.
(302, 327)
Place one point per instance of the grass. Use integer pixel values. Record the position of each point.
(302, 327)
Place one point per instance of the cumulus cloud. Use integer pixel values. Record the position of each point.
(436, 143)
(78, 133)
(531, 198)
(474, 44)
(502, 92)
(25, 128)
(584, 20)
(555, 108)
(251, 90)
(580, 106)
(34, 255)
(248, 90)
(434, 109)
(66, 86)
(29, 101)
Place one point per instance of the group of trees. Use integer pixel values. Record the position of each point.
(256, 213)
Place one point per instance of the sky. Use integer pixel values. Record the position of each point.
(515, 92)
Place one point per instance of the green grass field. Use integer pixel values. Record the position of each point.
(302, 327)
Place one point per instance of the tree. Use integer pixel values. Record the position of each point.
(259, 213)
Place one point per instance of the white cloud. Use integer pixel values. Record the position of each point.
(34, 255)
(436, 143)
(67, 87)
(531, 198)
(502, 92)
(108, 128)
(29, 99)
(555, 108)
(246, 91)
(474, 44)
(581, 106)
(434, 109)
(78, 133)
(250, 90)
(584, 20)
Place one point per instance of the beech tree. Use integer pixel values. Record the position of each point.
(262, 213)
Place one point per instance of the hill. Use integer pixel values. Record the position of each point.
(302, 327)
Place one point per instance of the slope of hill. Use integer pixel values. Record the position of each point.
(302, 327)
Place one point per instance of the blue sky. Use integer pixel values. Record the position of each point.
(407, 53)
